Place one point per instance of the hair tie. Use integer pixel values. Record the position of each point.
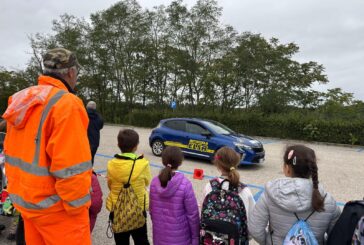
(217, 157)
(232, 168)
(169, 165)
(290, 154)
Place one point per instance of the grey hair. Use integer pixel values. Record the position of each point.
(91, 105)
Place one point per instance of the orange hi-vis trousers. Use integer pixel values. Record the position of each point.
(58, 228)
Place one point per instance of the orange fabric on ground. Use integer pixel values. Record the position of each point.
(58, 228)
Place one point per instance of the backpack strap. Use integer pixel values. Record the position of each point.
(144, 211)
(127, 185)
(132, 168)
(215, 184)
(234, 189)
(295, 214)
(309, 214)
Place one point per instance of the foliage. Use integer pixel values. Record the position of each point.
(10, 83)
(136, 61)
(289, 125)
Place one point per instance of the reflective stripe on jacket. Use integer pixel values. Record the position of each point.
(47, 152)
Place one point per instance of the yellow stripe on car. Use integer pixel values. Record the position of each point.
(192, 144)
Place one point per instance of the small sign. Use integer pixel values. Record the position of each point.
(173, 105)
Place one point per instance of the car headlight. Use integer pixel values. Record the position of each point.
(243, 147)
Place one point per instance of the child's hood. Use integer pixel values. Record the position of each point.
(292, 194)
(171, 187)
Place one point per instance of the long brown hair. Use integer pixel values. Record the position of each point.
(227, 160)
(303, 162)
(172, 158)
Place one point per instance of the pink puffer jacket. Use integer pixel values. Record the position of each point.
(96, 200)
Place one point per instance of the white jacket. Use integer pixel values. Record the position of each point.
(277, 205)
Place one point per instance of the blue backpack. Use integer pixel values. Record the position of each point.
(300, 233)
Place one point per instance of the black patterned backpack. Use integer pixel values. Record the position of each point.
(344, 229)
(223, 216)
(358, 237)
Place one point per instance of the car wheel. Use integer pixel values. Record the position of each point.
(157, 147)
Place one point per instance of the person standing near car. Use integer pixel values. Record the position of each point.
(95, 125)
(48, 159)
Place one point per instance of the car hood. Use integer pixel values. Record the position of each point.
(243, 139)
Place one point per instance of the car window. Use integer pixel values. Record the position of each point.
(176, 125)
(219, 128)
(194, 128)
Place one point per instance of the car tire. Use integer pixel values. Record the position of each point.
(157, 147)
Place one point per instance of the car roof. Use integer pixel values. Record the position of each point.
(186, 118)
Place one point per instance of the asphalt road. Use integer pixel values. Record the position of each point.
(341, 171)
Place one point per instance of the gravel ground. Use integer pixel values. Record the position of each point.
(341, 171)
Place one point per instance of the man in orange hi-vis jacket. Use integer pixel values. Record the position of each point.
(47, 155)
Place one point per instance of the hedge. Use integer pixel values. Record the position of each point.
(285, 126)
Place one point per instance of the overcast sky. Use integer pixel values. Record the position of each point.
(330, 32)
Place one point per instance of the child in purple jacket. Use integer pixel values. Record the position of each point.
(173, 205)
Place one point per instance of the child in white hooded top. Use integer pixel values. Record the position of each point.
(299, 193)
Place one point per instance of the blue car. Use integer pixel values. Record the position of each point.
(202, 138)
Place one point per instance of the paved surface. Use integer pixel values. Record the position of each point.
(340, 171)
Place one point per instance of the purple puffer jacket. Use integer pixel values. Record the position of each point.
(96, 200)
(174, 212)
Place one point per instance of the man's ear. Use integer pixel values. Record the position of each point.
(72, 72)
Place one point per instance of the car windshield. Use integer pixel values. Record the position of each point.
(219, 128)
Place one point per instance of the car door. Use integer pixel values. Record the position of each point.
(198, 143)
(175, 134)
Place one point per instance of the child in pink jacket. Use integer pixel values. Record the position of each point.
(96, 200)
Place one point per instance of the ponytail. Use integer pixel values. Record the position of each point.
(234, 177)
(317, 199)
(172, 158)
(165, 175)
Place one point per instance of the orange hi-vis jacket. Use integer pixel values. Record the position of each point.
(47, 154)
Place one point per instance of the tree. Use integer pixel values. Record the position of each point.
(133, 57)
(10, 83)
